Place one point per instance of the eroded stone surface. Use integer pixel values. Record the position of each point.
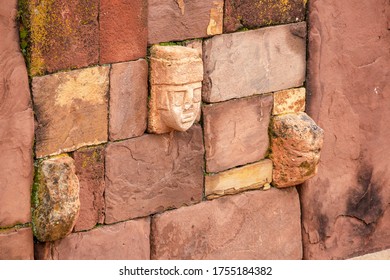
(123, 30)
(71, 109)
(153, 173)
(56, 202)
(251, 225)
(269, 59)
(16, 244)
(289, 101)
(236, 132)
(122, 241)
(248, 177)
(128, 99)
(89, 163)
(183, 19)
(296, 143)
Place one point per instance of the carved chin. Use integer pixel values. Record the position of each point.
(182, 123)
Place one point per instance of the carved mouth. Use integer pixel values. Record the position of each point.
(188, 117)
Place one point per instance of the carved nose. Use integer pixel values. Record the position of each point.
(187, 105)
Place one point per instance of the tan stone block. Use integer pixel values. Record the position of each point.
(16, 244)
(71, 109)
(289, 101)
(381, 255)
(249, 177)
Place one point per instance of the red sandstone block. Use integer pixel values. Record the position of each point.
(251, 225)
(236, 132)
(153, 173)
(123, 30)
(123, 241)
(16, 244)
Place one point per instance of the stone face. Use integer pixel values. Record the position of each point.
(296, 143)
(254, 62)
(63, 34)
(251, 225)
(89, 163)
(289, 101)
(123, 241)
(16, 124)
(128, 99)
(177, 20)
(123, 30)
(249, 177)
(56, 202)
(176, 83)
(345, 207)
(16, 244)
(71, 109)
(253, 14)
(153, 173)
(236, 132)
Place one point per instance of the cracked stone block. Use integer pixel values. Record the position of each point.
(236, 132)
(251, 225)
(183, 19)
(254, 62)
(55, 198)
(71, 110)
(16, 244)
(289, 101)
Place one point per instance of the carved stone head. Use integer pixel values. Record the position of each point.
(176, 83)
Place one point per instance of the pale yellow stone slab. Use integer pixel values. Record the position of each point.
(289, 101)
(251, 176)
(382, 255)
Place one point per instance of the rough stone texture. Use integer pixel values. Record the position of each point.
(296, 143)
(63, 34)
(71, 109)
(128, 99)
(56, 202)
(153, 173)
(289, 101)
(236, 132)
(382, 255)
(177, 20)
(269, 59)
(249, 177)
(251, 225)
(16, 244)
(346, 206)
(253, 14)
(123, 30)
(123, 241)
(89, 163)
(16, 124)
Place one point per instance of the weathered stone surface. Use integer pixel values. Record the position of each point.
(346, 206)
(16, 124)
(296, 143)
(382, 255)
(122, 241)
(63, 34)
(153, 173)
(16, 244)
(176, 83)
(251, 225)
(289, 101)
(128, 99)
(249, 177)
(254, 62)
(236, 132)
(89, 163)
(71, 109)
(123, 30)
(177, 20)
(252, 14)
(56, 202)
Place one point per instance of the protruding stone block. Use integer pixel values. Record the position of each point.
(128, 99)
(183, 19)
(71, 109)
(176, 84)
(56, 202)
(254, 62)
(251, 225)
(236, 132)
(289, 101)
(16, 244)
(296, 143)
(249, 177)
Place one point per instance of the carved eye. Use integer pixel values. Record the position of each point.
(178, 98)
(197, 95)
